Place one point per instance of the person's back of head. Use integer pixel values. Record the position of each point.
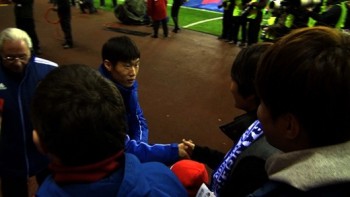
(78, 115)
(243, 72)
(14, 34)
(306, 74)
(120, 48)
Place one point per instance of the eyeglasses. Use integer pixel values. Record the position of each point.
(14, 58)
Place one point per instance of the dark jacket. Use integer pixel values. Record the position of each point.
(248, 172)
(18, 154)
(234, 130)
(24, 9)
(330, 17)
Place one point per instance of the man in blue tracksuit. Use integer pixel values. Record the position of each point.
(121, 61)
(20, 72)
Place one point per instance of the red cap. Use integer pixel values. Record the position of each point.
(191, 174)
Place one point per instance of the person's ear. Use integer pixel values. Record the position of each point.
(108, 65)
(292, 126)
(38, 143)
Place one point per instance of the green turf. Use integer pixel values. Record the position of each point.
(187, 18)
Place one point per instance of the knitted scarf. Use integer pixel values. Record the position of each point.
(221, 175)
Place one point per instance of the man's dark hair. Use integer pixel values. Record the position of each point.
(118, 49)
(79, 115)
(307, 73)
(244, 67)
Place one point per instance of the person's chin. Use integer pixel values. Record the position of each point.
(17, 71)
(129, 83)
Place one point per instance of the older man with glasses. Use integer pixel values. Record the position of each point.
(20, 73)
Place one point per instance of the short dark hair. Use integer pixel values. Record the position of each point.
(79, 115)
(307, 73)
(244, 67)
(120, 48)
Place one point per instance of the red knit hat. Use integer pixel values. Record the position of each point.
(191, 174)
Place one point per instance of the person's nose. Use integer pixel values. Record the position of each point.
(14, 59)
(17, 62)
(133, 71)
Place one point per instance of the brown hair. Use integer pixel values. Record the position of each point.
(307, 73)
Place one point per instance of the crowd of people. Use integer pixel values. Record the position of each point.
(247, 22)
(153, 11)
(244, 22)
(80, 131)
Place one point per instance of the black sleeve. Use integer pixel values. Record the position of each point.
(260, 4)
(329, 18)
(248, 176)
(212, 158)
(317, 8)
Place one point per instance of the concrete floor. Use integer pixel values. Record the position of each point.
(183, 81)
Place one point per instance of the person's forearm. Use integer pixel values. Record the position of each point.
(212, 158)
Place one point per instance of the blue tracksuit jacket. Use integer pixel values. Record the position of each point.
(18, 154)
(137, 145)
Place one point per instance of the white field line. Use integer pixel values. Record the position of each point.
(201, 10)
(203, 21)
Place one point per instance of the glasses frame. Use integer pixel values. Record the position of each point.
(21, 58)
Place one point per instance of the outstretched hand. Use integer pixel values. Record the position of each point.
(188, 146)
(183, 154)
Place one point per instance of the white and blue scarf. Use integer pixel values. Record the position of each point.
(221, 175)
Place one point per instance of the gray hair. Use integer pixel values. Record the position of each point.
(13, 34)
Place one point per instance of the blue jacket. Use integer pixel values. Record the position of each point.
(134, 179)
(138, 129)
(164, 153)
(18, 154)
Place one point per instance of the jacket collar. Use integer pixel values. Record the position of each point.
(311, 168)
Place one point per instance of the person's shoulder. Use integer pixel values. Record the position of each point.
(239, 125)
(262, 148)
(38, 67)
(153, 178)
(50, 188)
(147, 168)
(42, 61)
